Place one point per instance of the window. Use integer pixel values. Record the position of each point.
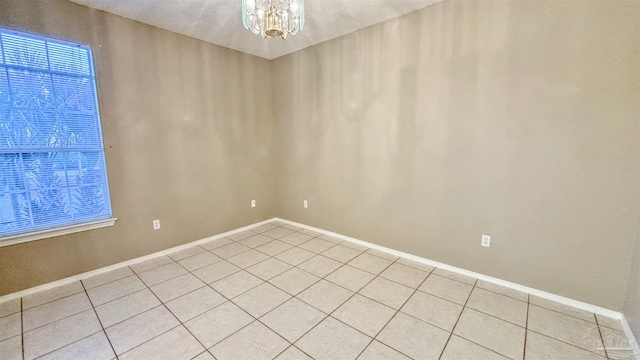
(52, 169)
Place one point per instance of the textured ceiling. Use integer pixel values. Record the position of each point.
(219, 21)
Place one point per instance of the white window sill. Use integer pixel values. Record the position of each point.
(37, 235)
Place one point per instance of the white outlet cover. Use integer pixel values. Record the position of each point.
(305, 204)
(253, 203)
(156, 224)
(486, 240)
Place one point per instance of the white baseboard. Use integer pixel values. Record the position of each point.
(525, 289)
(103, 270)
(543, 294)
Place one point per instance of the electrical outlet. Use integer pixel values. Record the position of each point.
(156, 224)
(305, 204)
(486, 240)
(253, 203)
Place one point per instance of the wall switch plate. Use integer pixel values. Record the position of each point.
(486, 240)
(253, 203)
(156, 224)
(305, 204)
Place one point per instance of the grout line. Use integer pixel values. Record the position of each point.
(456, 323)
(22, 327)
(604, 348)
(99, 321)
(526, 330)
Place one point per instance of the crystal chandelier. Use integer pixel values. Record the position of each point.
(273, 17)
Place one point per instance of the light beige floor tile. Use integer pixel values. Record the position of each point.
(188, 252)
(277, 233)
(115, 289)
(269, 268)
(176, 287)
(540, 347)
(330, 238)
(254, 342)
(217, 243)
(46, 339)
(332, 339)
(293, 319)
(518, 295)
(504, 337)
(415, 264)
(241, 235)
(261, 299)
(141, 328)
(55, 310)
(611, 323)
(382, 254)
(107, 277)
(387, 292)
(560, 326)
(293, 353)
(364, 314)
(350, 278)
(56, 293)
(432, 309)
(320, 266)
(568, 310)
(310, 232)
(274, 248)
(195, 303)
(161, 273)
(370, 263)
(236, 284)
(341, 253)
(294, 280)
(10, 326)
(404, 275)
(354, 246)
(379, 351)
(230, 250)
(325, 296)
(255, 241)
(9, 307)
(454, 276)
(121, 309)
(204, 356)
(199, 261)
(292, 227)
(296, 239)
(216, 271)
(176, 344)
(150, 264)
(295, 256)
(247, 258)
(446, 288)
(11, 349)
(317, 245)
(264, 227)
(616, 344)
(94, 347)
(500, 306)
(461, 349)
(413, 337)
(218, 323)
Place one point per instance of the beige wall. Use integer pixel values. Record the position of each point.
(632, 302)
(182, 143)
(518, 119)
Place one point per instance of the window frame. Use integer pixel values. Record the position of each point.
(81, 225)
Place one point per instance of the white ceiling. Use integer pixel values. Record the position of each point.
(219, 21)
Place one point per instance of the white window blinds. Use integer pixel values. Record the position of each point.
(52, 169)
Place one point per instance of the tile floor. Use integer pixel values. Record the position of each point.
(279, 291)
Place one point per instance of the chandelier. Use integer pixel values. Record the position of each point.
(273, 18)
